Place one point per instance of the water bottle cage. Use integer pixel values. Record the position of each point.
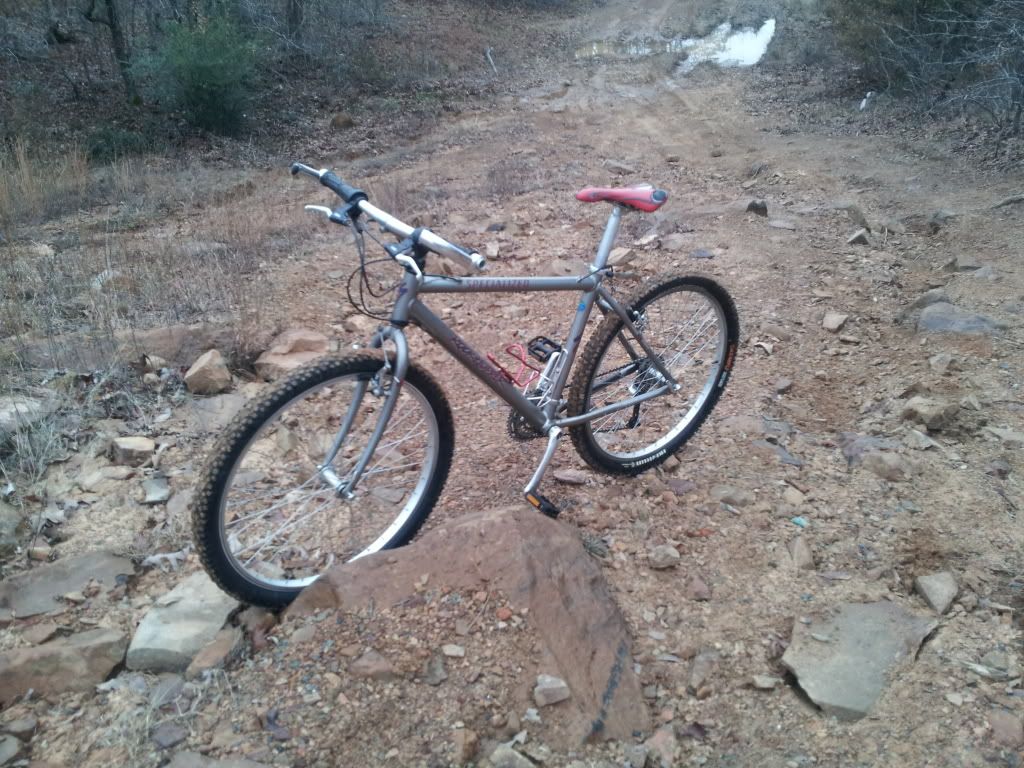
(525, 374)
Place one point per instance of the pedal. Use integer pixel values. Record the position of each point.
(542, 348)
(543, 505)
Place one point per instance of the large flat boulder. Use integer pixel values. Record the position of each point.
(539, 564)
(843, 662)
(179, 625)
(39, 590)
(75, 663)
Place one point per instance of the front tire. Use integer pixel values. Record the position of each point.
(691, 323)
(265, 520)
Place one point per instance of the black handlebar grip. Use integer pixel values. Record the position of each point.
(339, 187)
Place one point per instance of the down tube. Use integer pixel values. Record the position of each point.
(476, 364)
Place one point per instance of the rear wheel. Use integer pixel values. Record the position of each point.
(691, 324)
(267, 519)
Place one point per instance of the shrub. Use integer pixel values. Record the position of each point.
(207, 73)
(966, 52)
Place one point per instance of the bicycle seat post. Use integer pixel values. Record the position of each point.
(611, 229)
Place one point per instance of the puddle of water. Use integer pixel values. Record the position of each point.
(742, 48)
(725, 47)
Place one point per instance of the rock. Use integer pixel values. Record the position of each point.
(780, 332)
(156, 490)
(800, 553)
(783, 386)
(209, 375)
(834, 321)
(782, 224)
(550, 690)
(1010, 437)
(215, 655)
(946, 318)
(289, 351)
(434, 672)
(620, 257)
(179, 625)
(943, 363)
(210, 414)
(701, 669)
(674, 242)
(697, 589)
(987, 273)
(890, 466)
(453, 651)
(18, 412)
(570, 476)
(620, 169)
(36, 591)
(635, 755)
(772, 449)
(933, 296)
(662, 748)
(132, 451)
(10, 749)
(196, 760)
(680, 486)
(104, 479)
(22, 728)
(765, 682)
(465, 742)
(373, 666)
(962, 263)
(1000, 467)
(865, 643)
(1007, 728)
(168, 734)
(702, 253)
(75, 663)
(663, 556)
(757, 207)
(939, 590)
(13, 527)
(933, 413)
(860, 237)
(542, 568)
(736, 497)
(506, 757)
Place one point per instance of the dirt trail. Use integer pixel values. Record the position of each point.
(712, 138)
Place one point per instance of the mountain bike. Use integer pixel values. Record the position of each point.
(347, 455)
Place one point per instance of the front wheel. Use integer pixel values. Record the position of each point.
(268, 519)
(691, 324)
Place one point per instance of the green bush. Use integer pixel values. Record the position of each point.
(208, 73)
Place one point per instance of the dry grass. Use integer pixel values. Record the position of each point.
(34, 187)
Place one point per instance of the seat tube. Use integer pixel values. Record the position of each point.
(611, 229)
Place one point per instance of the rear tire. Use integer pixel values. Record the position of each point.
(691, 323)
(265, 521)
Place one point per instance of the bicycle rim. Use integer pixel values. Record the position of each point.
(282, 524)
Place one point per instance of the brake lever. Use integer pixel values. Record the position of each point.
(320, 209)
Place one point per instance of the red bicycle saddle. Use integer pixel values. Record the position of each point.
(643, 197)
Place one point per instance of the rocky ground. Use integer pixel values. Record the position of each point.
(828, 574)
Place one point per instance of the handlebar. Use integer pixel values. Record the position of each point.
(431, 240)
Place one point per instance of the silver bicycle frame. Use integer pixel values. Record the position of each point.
(544, 419)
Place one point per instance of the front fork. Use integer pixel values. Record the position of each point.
(396, 369)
